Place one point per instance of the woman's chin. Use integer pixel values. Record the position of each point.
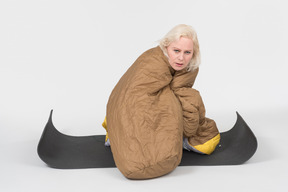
(178, 68)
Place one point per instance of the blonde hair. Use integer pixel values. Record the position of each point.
(174, 34)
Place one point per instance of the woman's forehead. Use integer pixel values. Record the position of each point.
(182, 43)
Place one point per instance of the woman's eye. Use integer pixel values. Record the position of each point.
(188, 52)
(176, 50)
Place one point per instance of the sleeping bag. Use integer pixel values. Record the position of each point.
(150, 112)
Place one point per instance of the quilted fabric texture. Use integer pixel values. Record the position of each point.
(149, 111)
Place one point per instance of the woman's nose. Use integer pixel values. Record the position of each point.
(180, 56)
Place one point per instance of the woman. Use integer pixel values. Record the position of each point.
(153, 111)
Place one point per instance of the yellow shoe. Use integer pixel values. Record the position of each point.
(205, 148)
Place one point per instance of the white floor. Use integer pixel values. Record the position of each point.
(22, 170)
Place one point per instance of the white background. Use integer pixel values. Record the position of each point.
(68, 56)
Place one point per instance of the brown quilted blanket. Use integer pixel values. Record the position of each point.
(149, 111)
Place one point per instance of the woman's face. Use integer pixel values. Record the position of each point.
(180, 53)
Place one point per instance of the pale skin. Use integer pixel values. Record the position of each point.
(180, 53)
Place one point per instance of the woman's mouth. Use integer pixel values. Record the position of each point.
(179, 64)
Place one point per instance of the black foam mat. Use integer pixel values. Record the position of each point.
(62, 151)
